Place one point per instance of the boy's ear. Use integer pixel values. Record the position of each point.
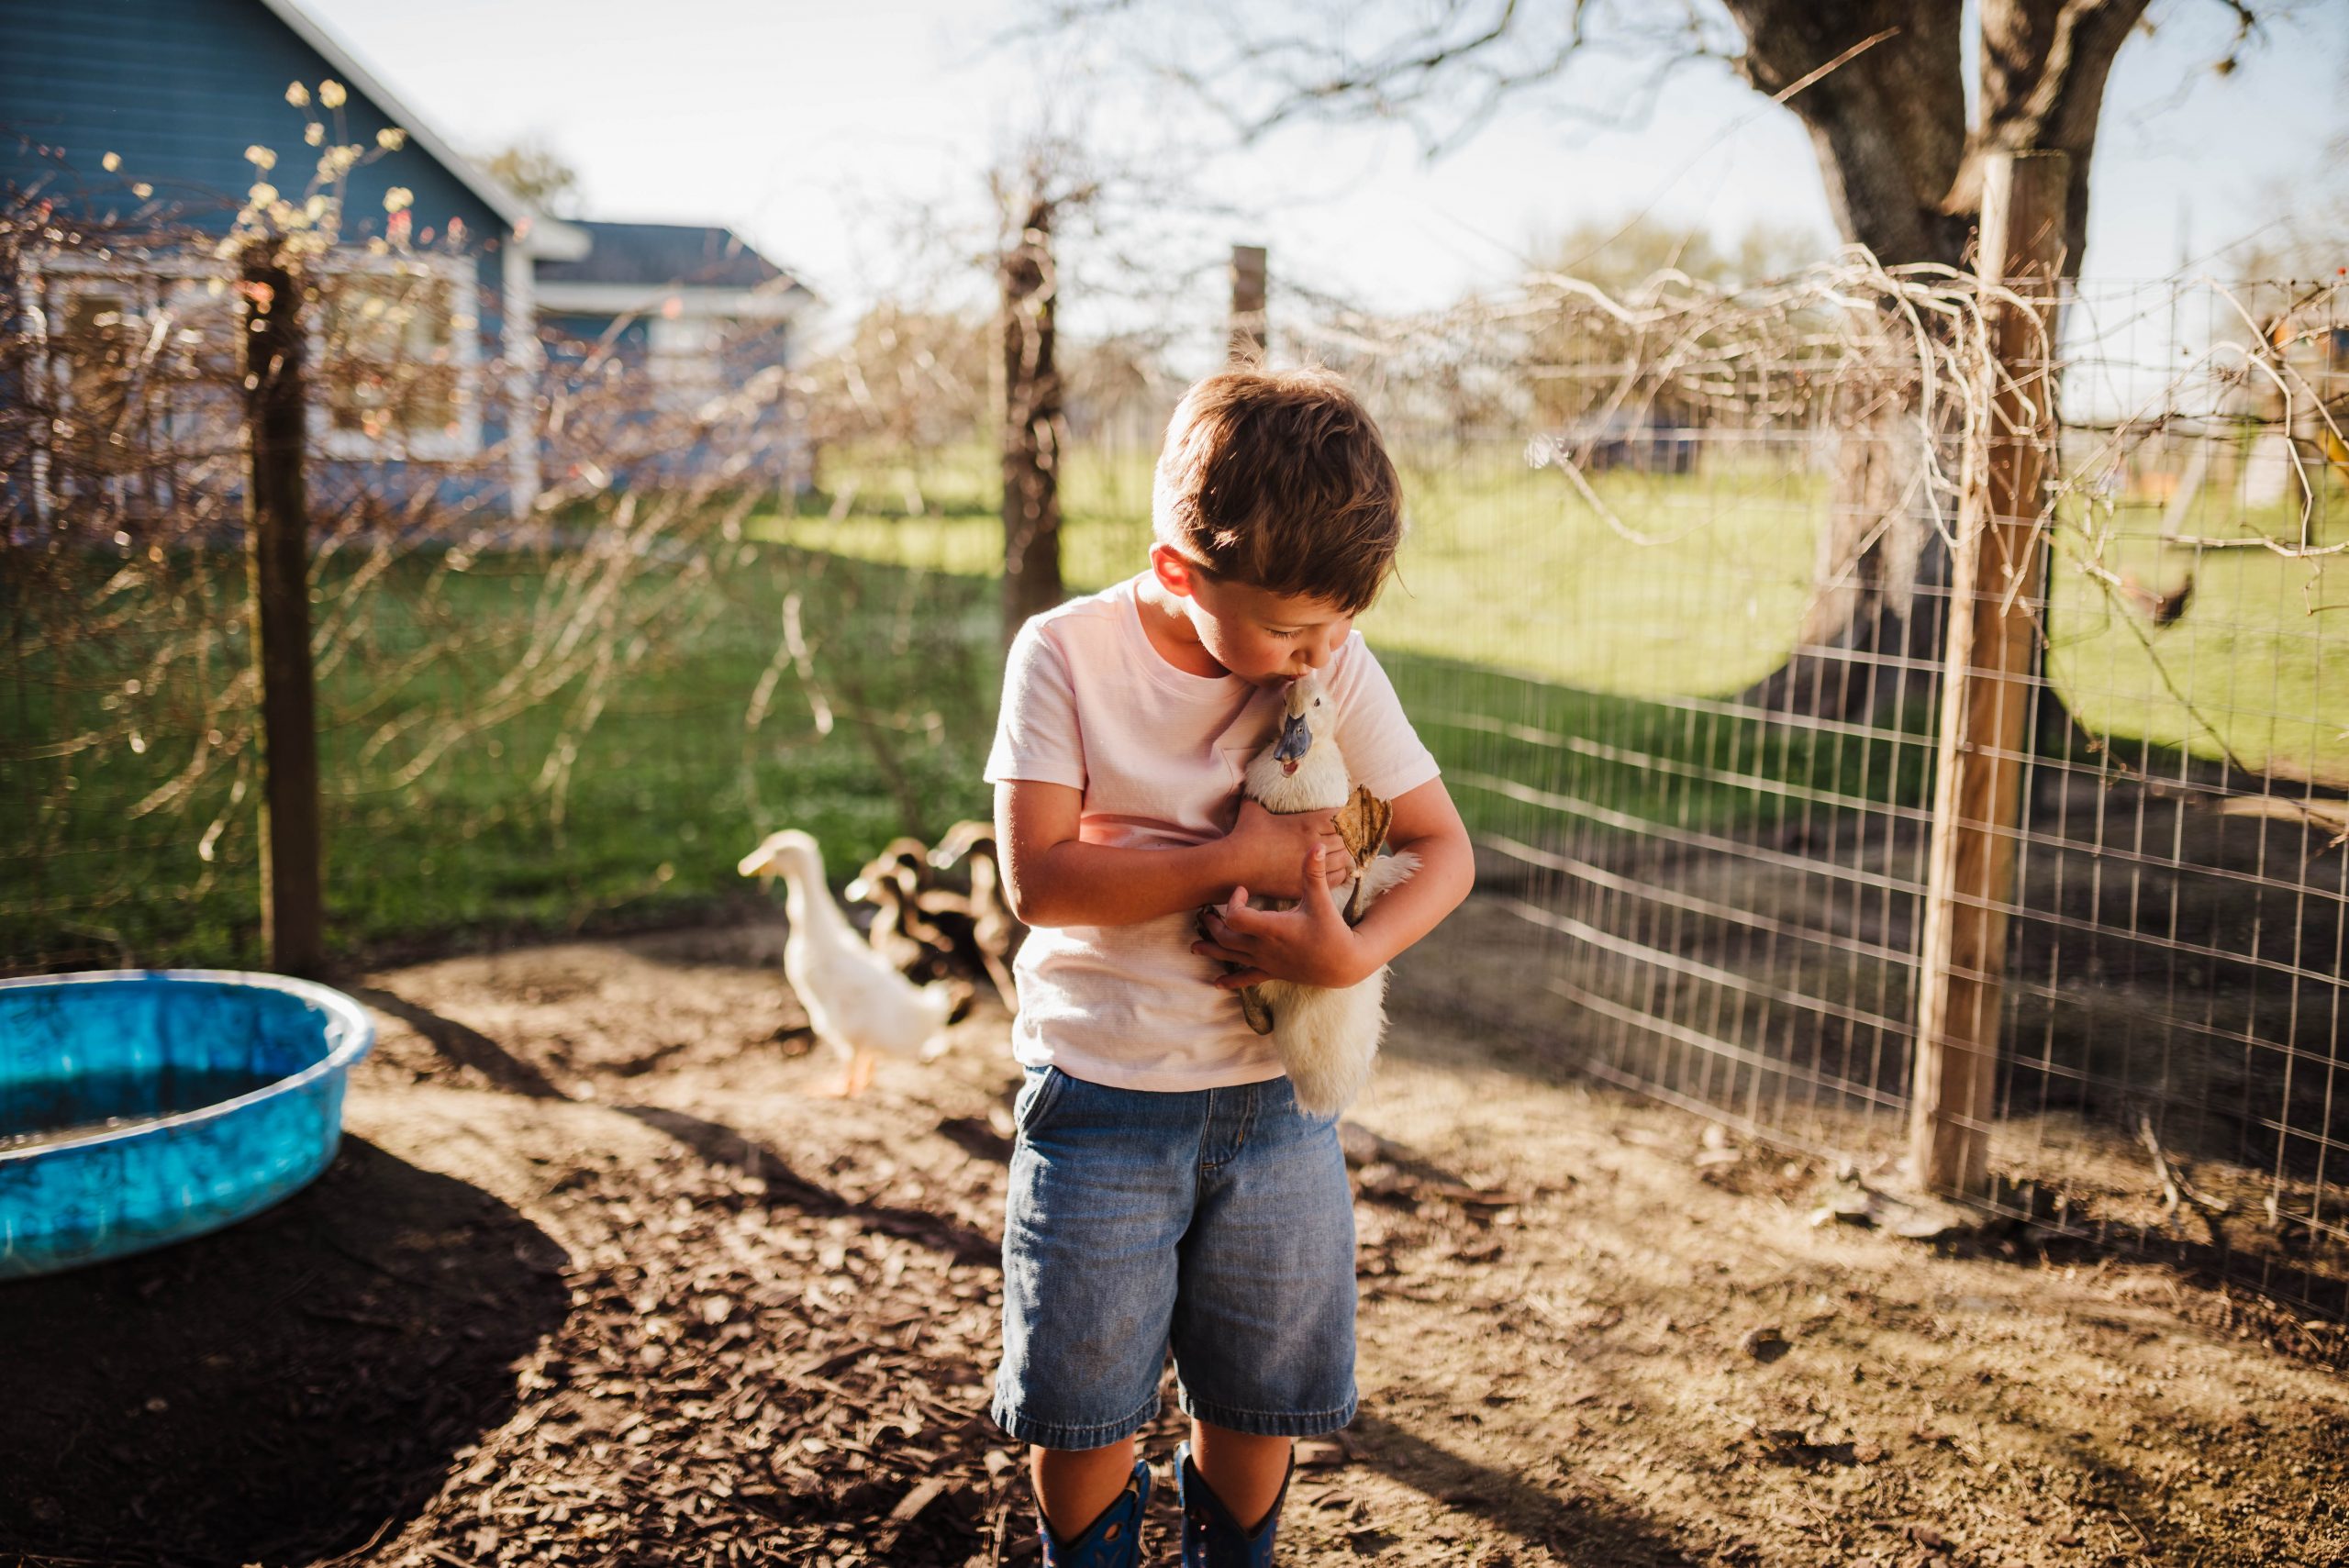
(1176, 573)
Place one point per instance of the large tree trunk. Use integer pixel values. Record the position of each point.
(1888, 124)
(1886, 108)
(1031, 423)
(1873, 627)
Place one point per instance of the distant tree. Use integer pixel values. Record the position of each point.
(1625, 257)
(904, 380)
(1048, 183)
(538, 175)
(1617, 254)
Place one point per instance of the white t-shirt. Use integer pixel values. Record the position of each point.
(1089, 703)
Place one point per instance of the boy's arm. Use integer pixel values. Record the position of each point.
(1312, 944)
(1053, 878)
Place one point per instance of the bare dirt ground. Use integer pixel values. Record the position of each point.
(596, 1280)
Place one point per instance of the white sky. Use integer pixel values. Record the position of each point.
(810, 128)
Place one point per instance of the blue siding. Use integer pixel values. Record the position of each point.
(758, 452)
(571, 335)
(178, 89)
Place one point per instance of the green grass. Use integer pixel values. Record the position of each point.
(2256, 666)
(1522, 755)
(1521, 619)
(669, 786)
(1695, 585)
(1504, 567)
(1533, 641)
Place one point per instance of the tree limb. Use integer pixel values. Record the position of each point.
(1889, 125)
(2044, 64)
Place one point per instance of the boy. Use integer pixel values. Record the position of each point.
(1164, 1188)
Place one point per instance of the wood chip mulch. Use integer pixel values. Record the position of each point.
(744, 1382)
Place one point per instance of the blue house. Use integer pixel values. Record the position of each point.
(132, 131)
(697, 316)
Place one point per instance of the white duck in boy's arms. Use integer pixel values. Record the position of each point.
(1327, 1038)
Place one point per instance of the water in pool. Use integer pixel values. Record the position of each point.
(37, 1112)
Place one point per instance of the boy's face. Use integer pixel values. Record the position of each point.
(1263, 637)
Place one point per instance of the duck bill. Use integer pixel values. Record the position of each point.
(1295, 742)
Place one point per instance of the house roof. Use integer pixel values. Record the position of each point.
(670, 255)
(537, 234)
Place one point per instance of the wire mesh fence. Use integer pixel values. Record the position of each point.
(2178, 970)
(534, 711)
(1722, 866)
(1672, 613)
(1700, 763)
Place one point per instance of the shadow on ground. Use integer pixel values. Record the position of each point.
(727, 1148)
(464, 1045)
(1573, 1530)
(279, 1391)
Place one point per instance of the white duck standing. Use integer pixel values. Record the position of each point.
(856, 1002)
(1327, 1038)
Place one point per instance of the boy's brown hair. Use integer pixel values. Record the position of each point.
(1278, 479)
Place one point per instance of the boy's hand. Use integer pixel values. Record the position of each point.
(1267, 848)
(1311, 944)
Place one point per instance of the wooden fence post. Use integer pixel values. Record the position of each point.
(293, 920)
(1031, 420)
(1996, 591)
(1249, 325)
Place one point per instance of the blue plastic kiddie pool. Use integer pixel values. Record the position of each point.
(142, 1106)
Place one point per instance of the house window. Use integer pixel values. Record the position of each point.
(196, 338)
(93, 349)
(397, 357)
(138, 364)
(682, 356)
(143, 362)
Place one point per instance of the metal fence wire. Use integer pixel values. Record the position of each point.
(1672, 613)
(1675, 625)
(570, 714)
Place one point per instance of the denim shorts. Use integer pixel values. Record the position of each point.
(1215, 1222)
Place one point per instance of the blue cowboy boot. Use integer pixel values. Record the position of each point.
(1112, 1541)
(1211, 1536)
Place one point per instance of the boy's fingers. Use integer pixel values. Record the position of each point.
(1340, 865)
(1316, 879)
(1222, 926)
(1215, 929)
(1241, 980)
